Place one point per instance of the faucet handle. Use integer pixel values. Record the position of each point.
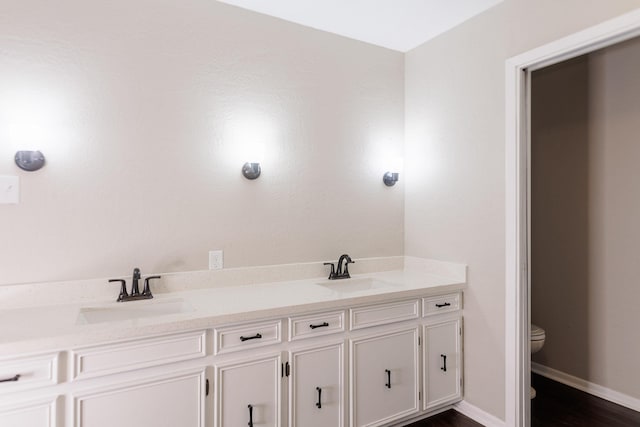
(147, 290)
(123, 289)
(333, 269)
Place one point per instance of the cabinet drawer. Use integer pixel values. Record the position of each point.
(364, 317)
(28, 372)
(315, 325)
(440, 304)
(131, 355)
(240, 337)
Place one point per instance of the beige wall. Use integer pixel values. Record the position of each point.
(144, 110)
(455, 160)
(585, 210)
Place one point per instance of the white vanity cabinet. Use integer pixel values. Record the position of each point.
(248, 392)
(442, 362)
(20, 378)
(316, 386)
(248, 374)
(367, 364)
(384, 377)
(168, 401)
(156, 382)
(39, 413)
(442, 350)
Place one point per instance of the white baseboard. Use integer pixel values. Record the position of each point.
(478, 415)
(586, 386)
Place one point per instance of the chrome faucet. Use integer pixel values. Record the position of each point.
(135, 291)
(340, 272)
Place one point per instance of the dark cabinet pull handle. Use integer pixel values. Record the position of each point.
(255, 337)
(12, 379)
(321, 325)
(388, 384)
(319, 404)
(446, 304)
(250, 416)
(444, 362)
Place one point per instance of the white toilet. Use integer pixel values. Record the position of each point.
(537, 341)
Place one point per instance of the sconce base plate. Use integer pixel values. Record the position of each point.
(390, 178)
(29, 160)
(251, 170)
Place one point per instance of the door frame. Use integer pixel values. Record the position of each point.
(517, 196)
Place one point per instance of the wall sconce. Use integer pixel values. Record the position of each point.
(29, 160)
(390, 178)
(251, 170)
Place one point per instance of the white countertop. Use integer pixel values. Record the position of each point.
(60, 326)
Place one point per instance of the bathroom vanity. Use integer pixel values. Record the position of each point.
(379, 349)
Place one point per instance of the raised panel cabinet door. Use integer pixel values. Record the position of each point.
(442, 363)
(384, 377)
(176, 400)
(248, 393)
(31, 414)
(316, 387)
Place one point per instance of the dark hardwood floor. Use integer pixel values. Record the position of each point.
(448, 418)
(559, 405)
(556, 405)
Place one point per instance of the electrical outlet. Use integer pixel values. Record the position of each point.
(9, 190)
(216, 260)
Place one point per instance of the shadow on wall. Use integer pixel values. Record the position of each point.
(560, 215)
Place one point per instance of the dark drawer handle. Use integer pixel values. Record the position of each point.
(388, 384)
(12, 379)
(444, 362)
(250, 423)
(319, 404)
(255, 337)
(321, 325)
(446, 304)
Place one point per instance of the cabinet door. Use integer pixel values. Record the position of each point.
(248, 393)
(316, 387)
(164, 402)
(31, 414)
(384, 377)
(442, 363)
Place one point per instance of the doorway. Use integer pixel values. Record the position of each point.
(518, 192)
(584, 239)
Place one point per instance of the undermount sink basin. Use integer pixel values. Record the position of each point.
(348, 286)
(132, 310)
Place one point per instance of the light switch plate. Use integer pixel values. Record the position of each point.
(9, 190)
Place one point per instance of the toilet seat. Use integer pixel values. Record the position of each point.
(537, 333)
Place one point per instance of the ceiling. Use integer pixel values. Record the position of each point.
(395, 24)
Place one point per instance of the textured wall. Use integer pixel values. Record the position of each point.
(585, 209)
(455, 175)
(146, 111)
